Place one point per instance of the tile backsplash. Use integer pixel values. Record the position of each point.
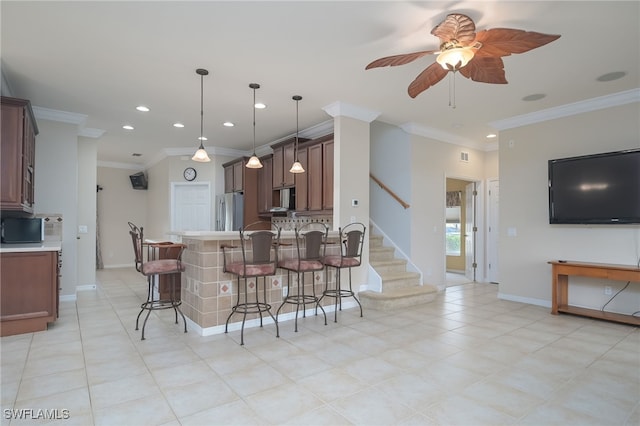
(52, 226)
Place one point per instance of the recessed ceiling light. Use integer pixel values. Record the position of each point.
(612, 76)
(142, 108)
(534, 97)
(127, 127)
(202, 138)
(491, 136)
(260, 105)
(180, 125)
(228, 124)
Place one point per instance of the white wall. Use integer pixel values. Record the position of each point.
(390, 159)
(118, 203)
(524, 272)
(56, 190)
(431, 163)
(87, 169)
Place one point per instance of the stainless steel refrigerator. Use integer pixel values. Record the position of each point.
(229, 211)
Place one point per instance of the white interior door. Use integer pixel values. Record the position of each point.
(493, 237)
(190, 206)
(470, 232)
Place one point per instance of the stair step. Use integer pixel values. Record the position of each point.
(375, 241)
(399, 279)
(390, 265)
(381, 253)
(398, 298)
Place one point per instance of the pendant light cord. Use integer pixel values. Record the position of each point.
(297, 128)
(201, 109)
(254, 121)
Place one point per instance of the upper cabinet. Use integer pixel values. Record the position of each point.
(283, 157)
(265, 179)
(234, 175)
(314, 188)
(17, 155)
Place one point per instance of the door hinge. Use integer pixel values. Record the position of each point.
(475, 229)
(475, 265)
(475, 192)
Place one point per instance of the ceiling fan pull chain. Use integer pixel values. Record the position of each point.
(452, 90)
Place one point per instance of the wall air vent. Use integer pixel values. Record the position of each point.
(464, 156)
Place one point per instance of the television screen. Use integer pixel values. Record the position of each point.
(595, 189)
(138, 181)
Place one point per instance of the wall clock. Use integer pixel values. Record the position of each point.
(189, 173)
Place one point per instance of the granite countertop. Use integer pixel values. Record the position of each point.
(27, 247)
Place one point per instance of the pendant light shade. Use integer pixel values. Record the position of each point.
(296, 167)
(254, 161)
(201, 154)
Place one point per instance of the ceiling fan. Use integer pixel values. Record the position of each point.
(475, 55)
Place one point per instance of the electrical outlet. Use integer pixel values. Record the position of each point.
(607, 290)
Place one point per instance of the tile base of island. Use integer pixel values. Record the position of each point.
(208, 293)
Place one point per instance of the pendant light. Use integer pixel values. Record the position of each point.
(296, 167)
(201, 155)
(254, 161)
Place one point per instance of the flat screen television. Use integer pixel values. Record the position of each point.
(595, 189)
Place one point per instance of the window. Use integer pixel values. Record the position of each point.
(452, 231)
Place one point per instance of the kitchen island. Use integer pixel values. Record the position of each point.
(208, 293)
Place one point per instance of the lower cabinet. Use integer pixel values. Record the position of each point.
(29, 288)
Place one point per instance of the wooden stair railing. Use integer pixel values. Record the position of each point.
(389, 191)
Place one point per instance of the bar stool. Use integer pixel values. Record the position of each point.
(259, 248)
(351, 244)
(152, 269)
(311, 243)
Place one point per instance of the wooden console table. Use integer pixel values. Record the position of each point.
(561, 271)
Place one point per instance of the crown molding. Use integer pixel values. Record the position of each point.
(116, 165)
(69, 118)
(343, 109)
(60, 116)
(429, 132)
(89, 132)
(594, 104)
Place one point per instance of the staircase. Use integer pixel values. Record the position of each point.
(400, 288)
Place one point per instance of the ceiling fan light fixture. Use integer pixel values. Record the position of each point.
(201, 155)
(254, 161)
(455, 58)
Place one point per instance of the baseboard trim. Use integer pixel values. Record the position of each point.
(527, 300)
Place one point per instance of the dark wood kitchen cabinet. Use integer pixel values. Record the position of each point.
(302, 182)
(29, 284)
(327, 175)
(265, 182)
(234, 175)
(320, 174)
(283, 157)
(17, 156)
(238, 178)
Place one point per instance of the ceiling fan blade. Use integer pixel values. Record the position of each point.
(427, 78)
(456, 26)
(505, 41)
(485, 70)
(395, 60)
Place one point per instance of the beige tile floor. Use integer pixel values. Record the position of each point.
(467, 358)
